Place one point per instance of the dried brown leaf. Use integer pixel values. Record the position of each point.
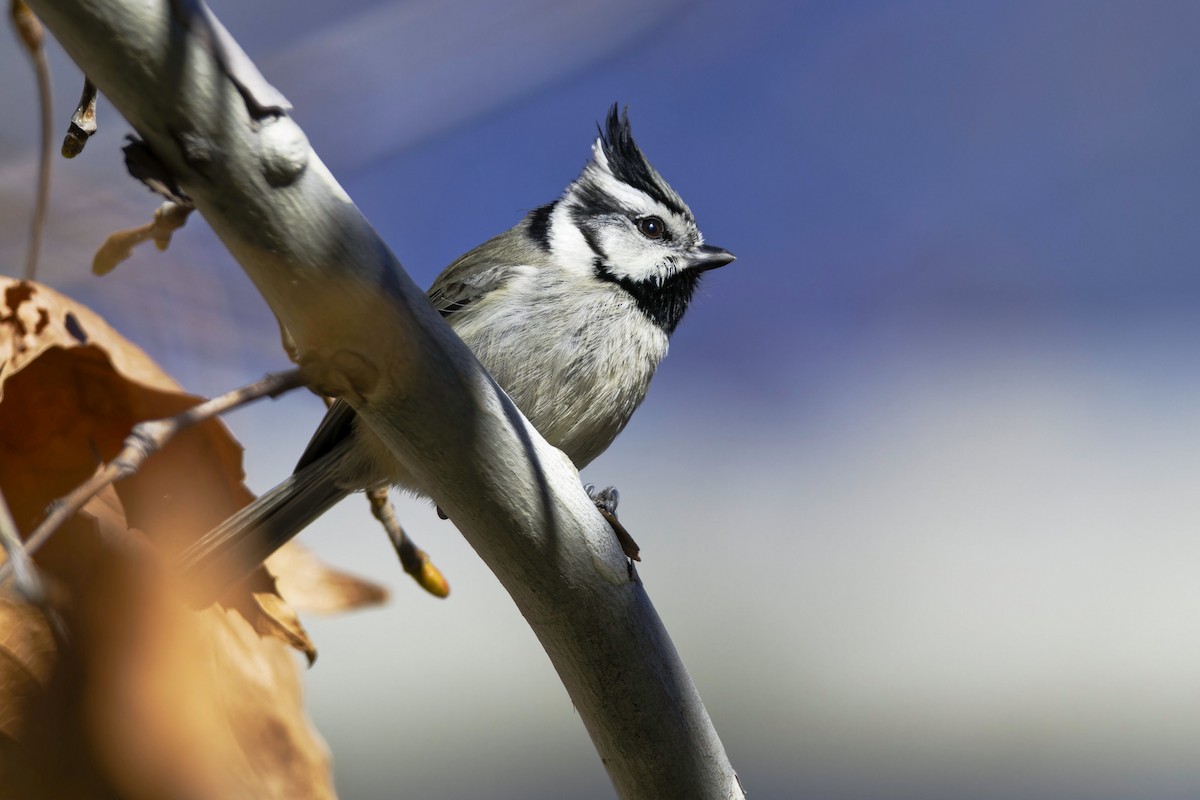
(185, 703)
(309, 584)
(280, 621)
(118, 247)
(151, 698)
(26, 658)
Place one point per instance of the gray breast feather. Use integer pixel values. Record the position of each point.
(573, 353)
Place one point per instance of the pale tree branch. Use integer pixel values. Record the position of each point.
(364, 331)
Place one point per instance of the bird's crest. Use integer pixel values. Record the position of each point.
(617, 153)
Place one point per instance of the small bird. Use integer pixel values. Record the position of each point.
(570, 311)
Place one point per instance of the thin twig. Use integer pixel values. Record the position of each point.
(26, 579)
(144, 440)
(414, 560)
(30, 31)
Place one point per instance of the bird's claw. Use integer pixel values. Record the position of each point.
(606, 503)
(605, 499)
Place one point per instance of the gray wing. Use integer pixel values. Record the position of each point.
(483, 270)
(474, 275)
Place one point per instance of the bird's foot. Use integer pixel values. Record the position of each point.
(605, 499)
(606, 503)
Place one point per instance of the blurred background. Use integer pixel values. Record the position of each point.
(917, 486)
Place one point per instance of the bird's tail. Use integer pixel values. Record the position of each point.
(236, 547)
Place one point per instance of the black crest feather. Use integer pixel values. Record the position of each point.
(628, 164)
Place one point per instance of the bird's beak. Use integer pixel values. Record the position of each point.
(706, 257)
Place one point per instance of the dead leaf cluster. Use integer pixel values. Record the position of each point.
(147, 697)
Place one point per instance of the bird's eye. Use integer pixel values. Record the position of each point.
(651, 227)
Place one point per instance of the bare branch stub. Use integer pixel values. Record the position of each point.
(83, 122)
(145, 165)
(146, 439)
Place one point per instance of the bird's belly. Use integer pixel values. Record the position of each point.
(578, 379)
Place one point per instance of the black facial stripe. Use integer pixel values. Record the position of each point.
(663, 304)
(593, 242)
(592, 204)
(638, 179)
(539, 224)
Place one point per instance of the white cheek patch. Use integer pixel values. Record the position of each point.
(631, 256)
(570, 249)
